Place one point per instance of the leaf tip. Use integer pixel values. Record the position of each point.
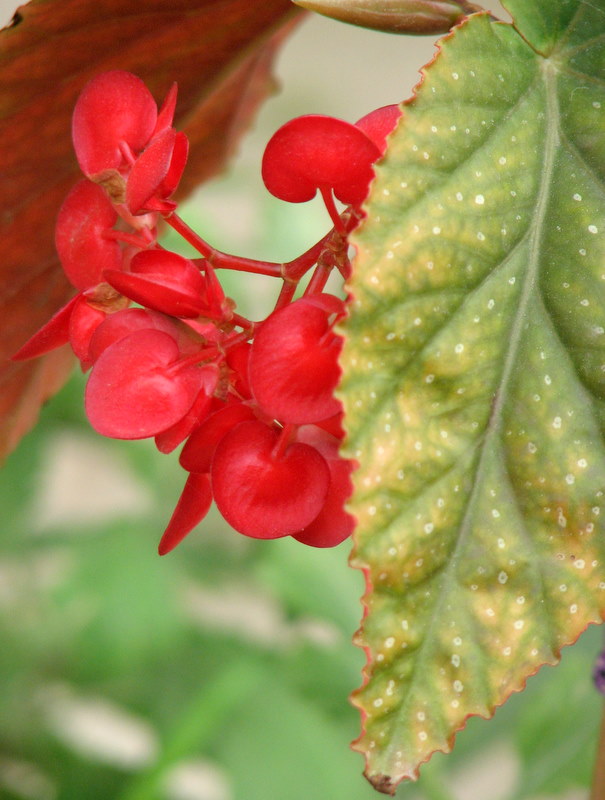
(382, 783)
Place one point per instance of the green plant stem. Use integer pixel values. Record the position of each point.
(598, 775)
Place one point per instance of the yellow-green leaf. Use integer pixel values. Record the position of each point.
(474, 379)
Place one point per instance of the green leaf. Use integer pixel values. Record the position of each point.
(474, 380)
(543, 23)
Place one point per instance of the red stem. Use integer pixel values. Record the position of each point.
(295, 269)
(285, 437)
(189, 235)
(238, 338)
(221, 260)
(242, 264)
(206, 354)
(318, 279)
(126, 151)
(128, 238)
(138, 223)
(290, 270)
(242, 322)
(286, 294)
(328, 199)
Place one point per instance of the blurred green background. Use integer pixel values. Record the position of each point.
(222, 671)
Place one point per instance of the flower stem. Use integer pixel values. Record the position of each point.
(127, 238)
(318, 280)
(251, 265)
(205, 356)
(328, 199)
(189, 235)
(284, 440)
(242, 322)
(291, 270)
(288, 290)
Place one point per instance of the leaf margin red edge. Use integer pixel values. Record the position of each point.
(382, 783)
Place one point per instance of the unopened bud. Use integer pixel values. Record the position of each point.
(395, 16)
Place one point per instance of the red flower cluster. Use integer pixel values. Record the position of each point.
(253, 401)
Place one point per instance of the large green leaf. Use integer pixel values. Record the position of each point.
(475, 379)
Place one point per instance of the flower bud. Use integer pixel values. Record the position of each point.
(395, 16)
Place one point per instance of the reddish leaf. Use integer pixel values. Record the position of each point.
(219, 52)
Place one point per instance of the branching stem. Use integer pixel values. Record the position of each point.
(319, 279)
(294, 269)
(189, 235)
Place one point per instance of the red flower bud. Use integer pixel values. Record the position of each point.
(317, 152)
(115, 113)
(137, 387)
(265, 493)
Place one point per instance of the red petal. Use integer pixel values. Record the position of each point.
(198, 452)
(238, 358)
(163, 281)
(262, 493)
(333, 425)
(166, 112)
(177, 166)
(155, 294)
(54, 334)
(333, 524)
(122, 323)
(379, 123)
(316, 151)
(85, 216)
(113, 108)
(83, 323)
(137, 388)
(190, 510)
(294, 364)
(172, 437)
(149, 170)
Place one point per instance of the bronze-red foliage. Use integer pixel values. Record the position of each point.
(219, 51)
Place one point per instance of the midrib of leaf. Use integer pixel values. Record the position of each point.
(534, 237)
(412, 210)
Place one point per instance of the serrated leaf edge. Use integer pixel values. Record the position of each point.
(387, 784)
